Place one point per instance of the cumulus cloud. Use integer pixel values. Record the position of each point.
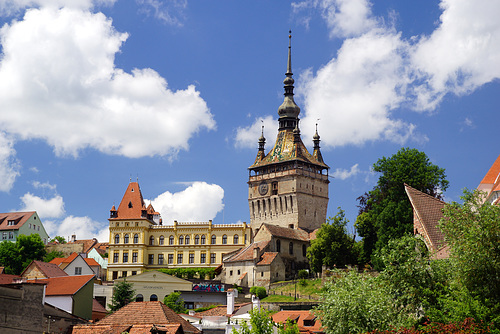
(11, 7)
(9, 165)
(58, 83)
(376, 72)
(200, 202)
(44, 185)
(46, 208)
(247, 137)
(343, 174)
(82, 227)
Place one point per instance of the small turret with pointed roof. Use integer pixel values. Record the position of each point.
(288, 111)
(317, 152)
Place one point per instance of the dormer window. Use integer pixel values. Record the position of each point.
(11, 222)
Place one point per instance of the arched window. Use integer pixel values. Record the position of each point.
(224, 239)
(290, 248)
(203, 239)
(139, 298)
(153, 298)
(235, 239)
(151, 240)
(117, 239)
(278, 245)
(186, 240)
(125, 239)
(214, 239)
(162, 240)
(181, 240)
(171, 240)
(136, 238)
(197, 239)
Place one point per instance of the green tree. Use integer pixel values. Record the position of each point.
(259, 291)
(175, 302)
(123, 293)
(333, 246)
(358, 303)
(260, 323)
(58, 239)
(17, 256)
(385, 212)
(472, 230)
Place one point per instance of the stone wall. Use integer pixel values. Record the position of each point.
(21, 308)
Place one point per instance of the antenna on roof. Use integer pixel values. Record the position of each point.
(130, 178)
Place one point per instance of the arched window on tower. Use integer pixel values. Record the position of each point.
(117, 239)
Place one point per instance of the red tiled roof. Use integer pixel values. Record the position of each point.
(118, 329)
(429, 210)
(97, 307)
(246, 254)
(7, 279)
(132, 203)
(66, 285)
(493, 172)
(91, 262)
(57, 261)
(287, 233)
(88, 244)
(47, 268)
(220, 310)
(19, 217)
(267, 258)
(299, 317)
(144, 313)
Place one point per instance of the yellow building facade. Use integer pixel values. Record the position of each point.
(139, 241)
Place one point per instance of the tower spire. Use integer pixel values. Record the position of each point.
(288, 111)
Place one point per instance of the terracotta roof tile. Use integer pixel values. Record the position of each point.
(132, 203)
(287, 233)
(220, 310)
(47, 268)
(7, 279)
(246, 254)
(91, 262)
(19, 217)
(492, 174)
(57, 261)
(97, 307)
(300, 316)
(429, 210)
(88, 244)
(144, 313)
(66, 285)
(267, 258)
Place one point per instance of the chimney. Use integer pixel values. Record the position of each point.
(255, 302)
(192, 313)
(73, 238)
(231, 295)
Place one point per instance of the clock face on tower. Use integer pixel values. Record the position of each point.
(263, 187)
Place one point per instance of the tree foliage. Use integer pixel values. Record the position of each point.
(175, 302)
(333, 246)
(52, 255)
(123, 293)
(259, 291)
(260, 323)
(189, 273)
(17, 256)
(385, 212)
(58, 239)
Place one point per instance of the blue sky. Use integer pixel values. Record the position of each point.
(174, 93)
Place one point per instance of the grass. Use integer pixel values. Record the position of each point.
(310, 287)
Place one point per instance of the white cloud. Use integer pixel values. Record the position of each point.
(200, 202)
(11, 7)
(248, 136)
(58, 82)
(82, 227)
(343, 174)
(46, 208)
(44, 185)
(462, 54)
(170, 12)
(9, 165)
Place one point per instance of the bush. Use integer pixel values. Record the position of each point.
(259, 291)
(303, 274)
(303, 282)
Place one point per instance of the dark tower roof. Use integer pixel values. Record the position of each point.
(289, 145)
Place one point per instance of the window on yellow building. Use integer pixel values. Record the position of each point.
(197, 239)
(171, 240)
(160, 258)
(134, 257)
(235, 239)
(186, 240)
(161, 241)
(125, 257)
(214, 239)
(203, 258)
(125, 239)
(170, 258)
(136, 238)
(224, 239)
(179, 258)
(191, 258)
(151, 240)
(117, 239)
(212, 258)
(181, 240)
(203, 239)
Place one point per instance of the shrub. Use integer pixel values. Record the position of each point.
(259, 291)
(303, 274)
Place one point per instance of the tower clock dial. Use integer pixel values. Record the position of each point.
(263, 187)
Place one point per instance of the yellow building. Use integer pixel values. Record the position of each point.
(139, 241)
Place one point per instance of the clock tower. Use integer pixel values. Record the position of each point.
(288, 186)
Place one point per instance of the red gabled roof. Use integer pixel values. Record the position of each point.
(7, 279)
(91, 262)
(287, 233)
(492, 174)
(299, 317)
(67, 260)
(220, 310)
(64, 286)
(19, 217)
(246, 254)
(267, 258)
(47, 268)
(57, 261)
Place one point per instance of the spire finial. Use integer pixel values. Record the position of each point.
(288, 111)
(289, 65)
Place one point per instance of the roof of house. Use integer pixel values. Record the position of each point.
(97, 307)
(7, 279)
(428, 211)
(66, 260)
(493, 173)
(91, 262)
(98, 328)
(267, 258)
(287, 233)
(88, 244)
(147, 313)
(299, 317)
(246, 254)
(132, 204)
(65, 285)
(18, 217)
(220, 310)
(48, 269)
